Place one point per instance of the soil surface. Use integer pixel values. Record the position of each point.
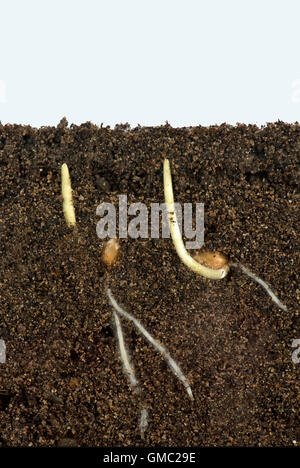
(63, 383)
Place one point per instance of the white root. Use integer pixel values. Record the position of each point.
(143, 421)
(262, 283)
(129, 371)
(157, 346)
(128, 368)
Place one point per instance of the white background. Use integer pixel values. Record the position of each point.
(144, 62)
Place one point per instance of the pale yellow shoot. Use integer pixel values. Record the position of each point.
(66, 191)
(183, 254)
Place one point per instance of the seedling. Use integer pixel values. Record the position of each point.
(212, 265)
(185, 257)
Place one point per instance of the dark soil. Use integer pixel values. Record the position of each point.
(63, 382)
